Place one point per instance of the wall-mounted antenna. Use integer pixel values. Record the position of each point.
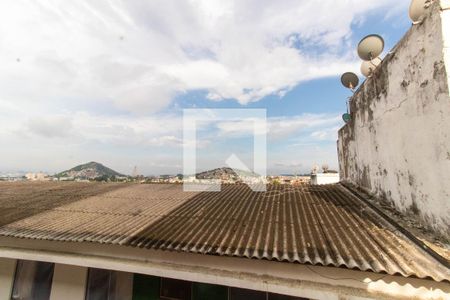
(417, 9)
(368, 66)
(350, 80)
(346, 117)
(370, 47)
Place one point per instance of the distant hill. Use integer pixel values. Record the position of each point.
(224, 173)
(218, 173)
(90, 170)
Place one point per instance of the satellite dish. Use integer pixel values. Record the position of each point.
(370, 47)
(368, 66)
(417, 9)
(350, 80)
(346, 117)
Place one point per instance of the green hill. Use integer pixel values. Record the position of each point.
(90, 170)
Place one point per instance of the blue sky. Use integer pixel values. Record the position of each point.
(108, 81)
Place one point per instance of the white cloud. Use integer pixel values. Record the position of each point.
(317, 126)
(31, 139)
(327, 134)
(284, 127)
(50, 127)
(300, 160)
(166, 130)
(142, 132)
(56, 142)
(139, 55)
(85, 79)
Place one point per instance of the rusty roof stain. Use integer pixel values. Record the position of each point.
(318, 225)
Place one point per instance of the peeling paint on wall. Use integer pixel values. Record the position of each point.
(397, 143)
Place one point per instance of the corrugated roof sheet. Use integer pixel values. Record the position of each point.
(320, 225)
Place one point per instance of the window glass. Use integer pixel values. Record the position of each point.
(173, 289)
(203, 291)
(146, 287)
(244, 294)
(98, 284)
(108, 285)
(33, 280)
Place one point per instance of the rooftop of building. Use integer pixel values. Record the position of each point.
(318, 225)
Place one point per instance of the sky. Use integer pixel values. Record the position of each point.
(108, 81)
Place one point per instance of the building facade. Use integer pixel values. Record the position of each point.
(396, 145)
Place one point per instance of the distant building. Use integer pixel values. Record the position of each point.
(324, 178)
(288, 179)
(37, 177)
(68, 178)
(12, 177)
(299, 180)
(135, 172)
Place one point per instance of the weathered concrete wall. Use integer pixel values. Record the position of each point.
(397, 144)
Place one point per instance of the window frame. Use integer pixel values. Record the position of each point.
(170, 298)
(21, 262)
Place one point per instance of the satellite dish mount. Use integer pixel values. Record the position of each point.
(370, 47)
(350, 80)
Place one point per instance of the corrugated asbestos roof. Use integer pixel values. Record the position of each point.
(319, 225)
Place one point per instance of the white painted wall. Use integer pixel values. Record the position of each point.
(445, 6)
(324, 178)
(69, 282)
(397, 144)
(7, 270)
